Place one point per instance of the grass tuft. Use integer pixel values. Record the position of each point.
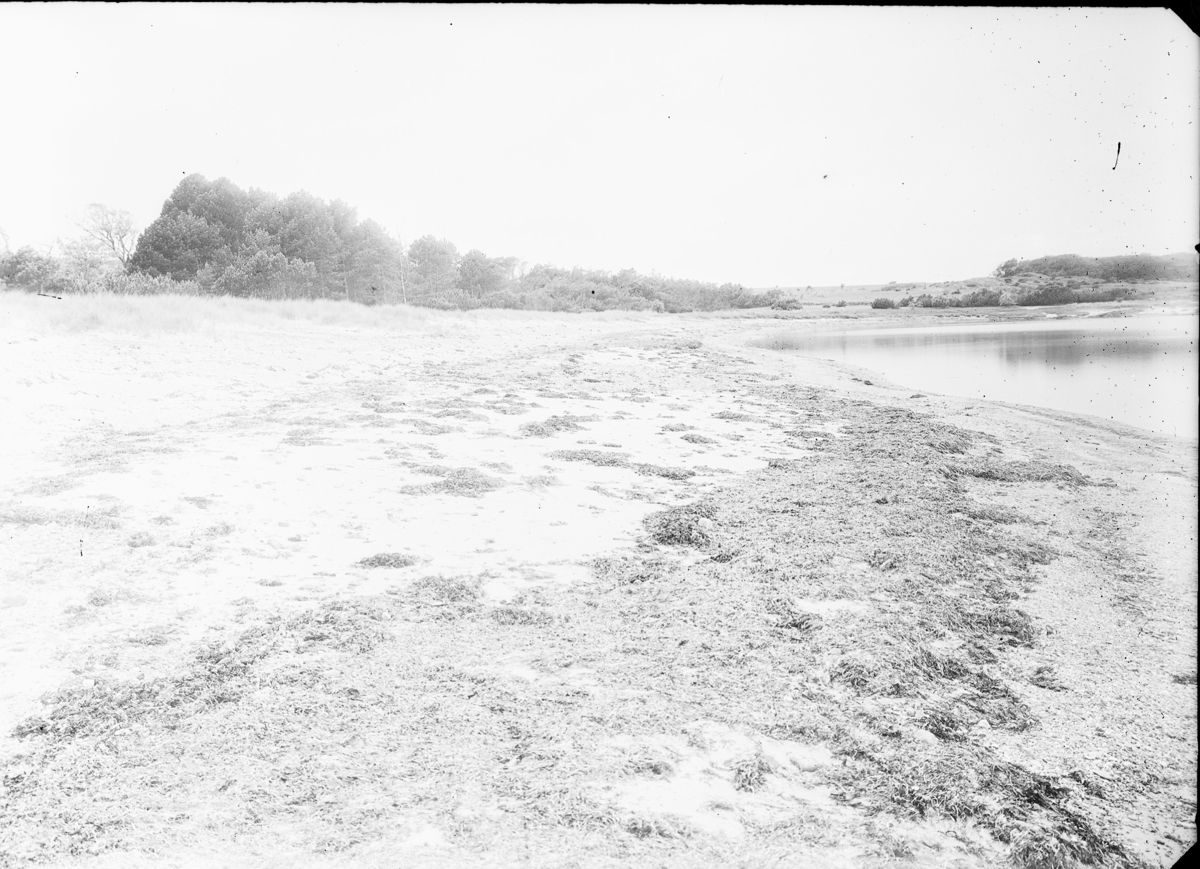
(593, 457)
(944, 723)
(519, 616)
(681, 526)
(425, 427)
(1045, 677)
(750, 773)
(443, 589)
(952, 445)
(853, 672)
(388, 559)
(464, 482)
(940, 666)
(553, 425)
(628, 571)
(1040, 848)
(663, 826)
(992, 513)
(647, 470)
(1017, 472)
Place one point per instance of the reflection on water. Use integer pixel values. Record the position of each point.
(1141, 371)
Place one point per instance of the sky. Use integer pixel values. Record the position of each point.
(768, 146)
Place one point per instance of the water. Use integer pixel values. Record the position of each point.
(1139, 370)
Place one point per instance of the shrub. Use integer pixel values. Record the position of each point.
(1057, 294)
(141, 284)
(981, 299)
(28, 270)
(883, 303)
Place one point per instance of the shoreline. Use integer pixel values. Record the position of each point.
(544, 579)
(878, 377)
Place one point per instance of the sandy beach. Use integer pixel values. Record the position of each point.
(515, 589)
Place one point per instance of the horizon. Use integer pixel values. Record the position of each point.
(710, 143)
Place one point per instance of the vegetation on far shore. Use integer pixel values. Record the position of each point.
(1106, 269)
(1026, 291)
(213, 238)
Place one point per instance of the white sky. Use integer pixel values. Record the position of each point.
(763, 145)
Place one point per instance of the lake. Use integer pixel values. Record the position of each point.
(1137, 370)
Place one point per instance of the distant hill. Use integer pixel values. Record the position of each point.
(1138, 267)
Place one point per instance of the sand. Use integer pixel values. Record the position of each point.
(163, 491)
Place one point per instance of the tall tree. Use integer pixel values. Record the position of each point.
(375, 265)
(177, 245)
(225, 207)
(304, 227)
(84, 260)
(111, 228)
(480, 275)
(435, 266)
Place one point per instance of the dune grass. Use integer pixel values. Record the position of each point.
(173, 314)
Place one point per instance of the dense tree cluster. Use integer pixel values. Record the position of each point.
(253, 243)
(214, 238)
(1137, 267)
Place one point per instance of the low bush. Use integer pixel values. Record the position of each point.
(1057, 294)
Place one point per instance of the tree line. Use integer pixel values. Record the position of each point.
(1135, 267)
(214, 238)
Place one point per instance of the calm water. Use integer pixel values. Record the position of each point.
(1140, 370)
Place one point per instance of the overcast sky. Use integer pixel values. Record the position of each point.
(767, 146)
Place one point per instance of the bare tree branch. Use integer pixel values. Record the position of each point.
(112, 228)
